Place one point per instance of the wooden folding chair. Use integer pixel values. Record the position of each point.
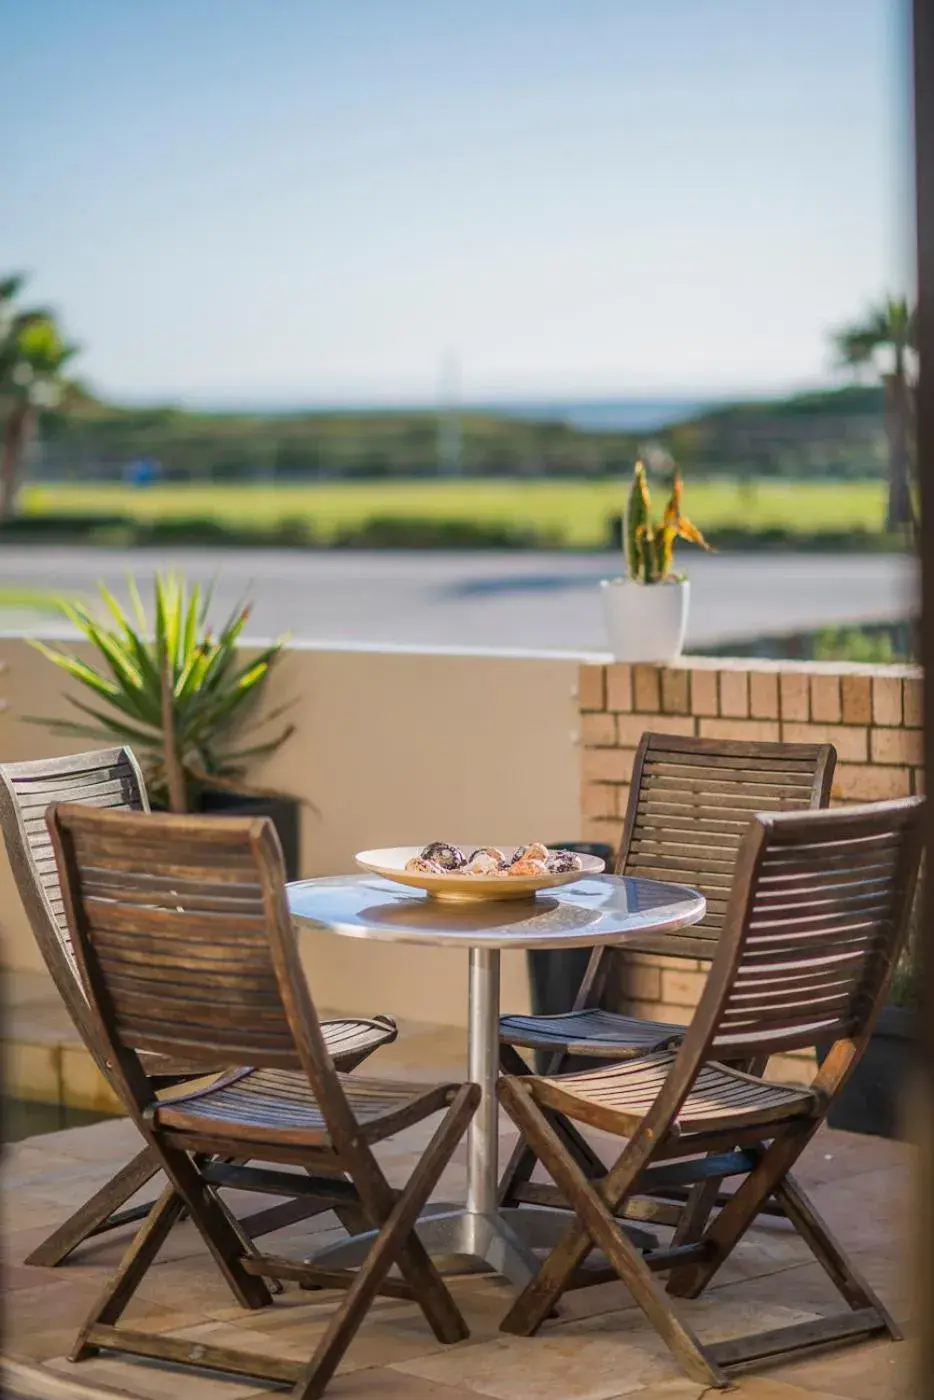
(689, 804)
(111, 778)
(182, 933)
(813, 930)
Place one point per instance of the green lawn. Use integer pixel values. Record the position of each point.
(36, 599)
(575, 512)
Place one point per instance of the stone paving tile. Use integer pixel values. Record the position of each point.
(379, 1342)
(873, 1371)
(712, 1318)
(835, 1156)
(803, 1286)
(764, 1388)
(892, 1276)
(43, 1321)
(546, 1367)
(150, 1381)
(680, 1389)
(382, 1384)
(114, 1140)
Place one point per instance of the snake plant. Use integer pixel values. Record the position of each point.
(650, 545)
(174, 689)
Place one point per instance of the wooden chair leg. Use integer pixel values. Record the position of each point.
(213, 1224)
(518, 1170)
(100, 1213)
(243, 1235)
(521, 1164)
(706, 1195)
(830, 1254)
(379, 1200)
(701, 1202)
(736, 1216)
(188, 1194)
(397, 1243)
(137, 1259)
(595, 1227)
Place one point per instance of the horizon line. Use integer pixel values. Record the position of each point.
(225, 400)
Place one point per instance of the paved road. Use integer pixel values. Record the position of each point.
(496, 600)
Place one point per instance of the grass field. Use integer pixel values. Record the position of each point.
(576, 513)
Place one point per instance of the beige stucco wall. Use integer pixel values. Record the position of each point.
(392, 747)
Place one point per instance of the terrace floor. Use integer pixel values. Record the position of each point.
(600, 1348)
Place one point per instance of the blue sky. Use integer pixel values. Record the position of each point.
(300, 200)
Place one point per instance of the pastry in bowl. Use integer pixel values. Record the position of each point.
(535, 859)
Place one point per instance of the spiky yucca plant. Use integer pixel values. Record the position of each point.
(173, 689)
(650, 546)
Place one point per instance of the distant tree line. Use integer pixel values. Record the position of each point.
(832, 435)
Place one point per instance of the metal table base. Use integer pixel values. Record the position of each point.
(462, 1241)
(478, 1235)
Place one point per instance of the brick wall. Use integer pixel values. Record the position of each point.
(871, 714)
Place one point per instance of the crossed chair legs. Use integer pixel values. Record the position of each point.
(687, 1210)
(193, 1183)
(102, 1212)
(691, 1266)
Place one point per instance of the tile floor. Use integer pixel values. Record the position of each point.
(599, 1349)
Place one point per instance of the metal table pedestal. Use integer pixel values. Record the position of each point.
(479, 1234)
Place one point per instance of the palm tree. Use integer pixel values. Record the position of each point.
(33, 354)
(888, 333)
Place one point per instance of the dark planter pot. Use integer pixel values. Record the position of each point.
(285, 813)
(555, 978)
(871, 1100)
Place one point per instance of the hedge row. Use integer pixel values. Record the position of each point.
(390, 532)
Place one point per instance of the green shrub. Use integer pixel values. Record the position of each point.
(411, 532)
(178, 691)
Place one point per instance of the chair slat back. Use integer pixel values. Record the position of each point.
(103, 778)
(179, 922)
(817, 923)
(689, 807)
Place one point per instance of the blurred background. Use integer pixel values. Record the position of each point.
(371, 308)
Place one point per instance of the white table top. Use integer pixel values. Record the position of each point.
(594, 910)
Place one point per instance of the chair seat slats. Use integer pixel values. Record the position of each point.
(632, 1086)
(590, 1032)
(267, 1104)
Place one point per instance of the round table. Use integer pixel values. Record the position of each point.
(592, 911)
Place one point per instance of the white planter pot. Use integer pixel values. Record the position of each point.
(645, 621)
